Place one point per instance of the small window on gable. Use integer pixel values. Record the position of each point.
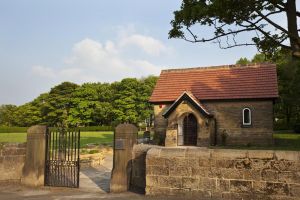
(246, 116)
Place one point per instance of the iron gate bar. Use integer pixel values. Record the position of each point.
(62, 165)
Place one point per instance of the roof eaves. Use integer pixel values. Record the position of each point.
(186, 96)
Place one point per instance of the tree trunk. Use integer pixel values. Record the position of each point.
(292, 27)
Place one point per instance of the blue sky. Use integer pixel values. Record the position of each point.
(43, 43)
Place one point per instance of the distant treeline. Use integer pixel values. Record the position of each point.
(90, 104)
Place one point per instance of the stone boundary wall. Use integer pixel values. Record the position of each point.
(138, 171)
(223, 173)
(12, 159)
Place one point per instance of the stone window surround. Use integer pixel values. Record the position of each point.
(250, 117)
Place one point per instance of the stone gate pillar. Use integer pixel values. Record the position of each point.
(34, 167)
(125, 137)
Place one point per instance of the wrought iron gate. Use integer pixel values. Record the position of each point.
(62, 158)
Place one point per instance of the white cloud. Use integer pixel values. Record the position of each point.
(91, 61)
(148, 44)
(43, 71)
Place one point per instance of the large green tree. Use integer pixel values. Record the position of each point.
(125, 100)
(7, 115)
(56, 106)
(86, 105)
(228, 19)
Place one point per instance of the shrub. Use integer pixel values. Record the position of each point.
(281, 125)
(88, 128)
(297, 128)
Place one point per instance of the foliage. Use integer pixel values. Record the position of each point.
(243, 61)
(96, 128)
(7, 116)
(229, 18)
(91, 104)
(56, 106)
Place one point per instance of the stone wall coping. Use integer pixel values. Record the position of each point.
(37, 130)
(184, 151)
(13, 144)
(126, 128)
(142, 147)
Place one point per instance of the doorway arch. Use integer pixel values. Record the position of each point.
(190, 130)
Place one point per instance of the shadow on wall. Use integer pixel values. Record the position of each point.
(138, 171)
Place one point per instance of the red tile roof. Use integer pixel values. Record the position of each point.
(221, 82)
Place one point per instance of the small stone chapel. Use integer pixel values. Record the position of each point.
(222, 105)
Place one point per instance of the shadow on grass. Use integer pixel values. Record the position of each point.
(287, 143)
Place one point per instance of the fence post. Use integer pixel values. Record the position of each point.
(125, 136)
(34, 167)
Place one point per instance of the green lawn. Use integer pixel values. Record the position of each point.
(85, 137)
(13, 137)
(283, 141)
(287, 141)
(105, 138)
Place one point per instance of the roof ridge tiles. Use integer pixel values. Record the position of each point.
(232, 66)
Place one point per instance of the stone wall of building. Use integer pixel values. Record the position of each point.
(228, 115)
(160, 123)
(223, 174)
(228, 120)
(12, 158)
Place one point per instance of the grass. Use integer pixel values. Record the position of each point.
(13, 137)
(283, 141)
(287, 141)
(103, 137)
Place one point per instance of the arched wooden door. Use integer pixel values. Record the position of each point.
(190, 130)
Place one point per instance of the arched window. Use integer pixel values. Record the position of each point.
(246, 116)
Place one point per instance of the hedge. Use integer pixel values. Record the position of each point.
(83, 129)
(87, 128)
(96, 128)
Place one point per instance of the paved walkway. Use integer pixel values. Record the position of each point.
(97, 179)
(16, 192)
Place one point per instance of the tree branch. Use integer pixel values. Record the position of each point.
(271, 13)
(267, 35)
(271, 22)
(234, 45)
(217, 36)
